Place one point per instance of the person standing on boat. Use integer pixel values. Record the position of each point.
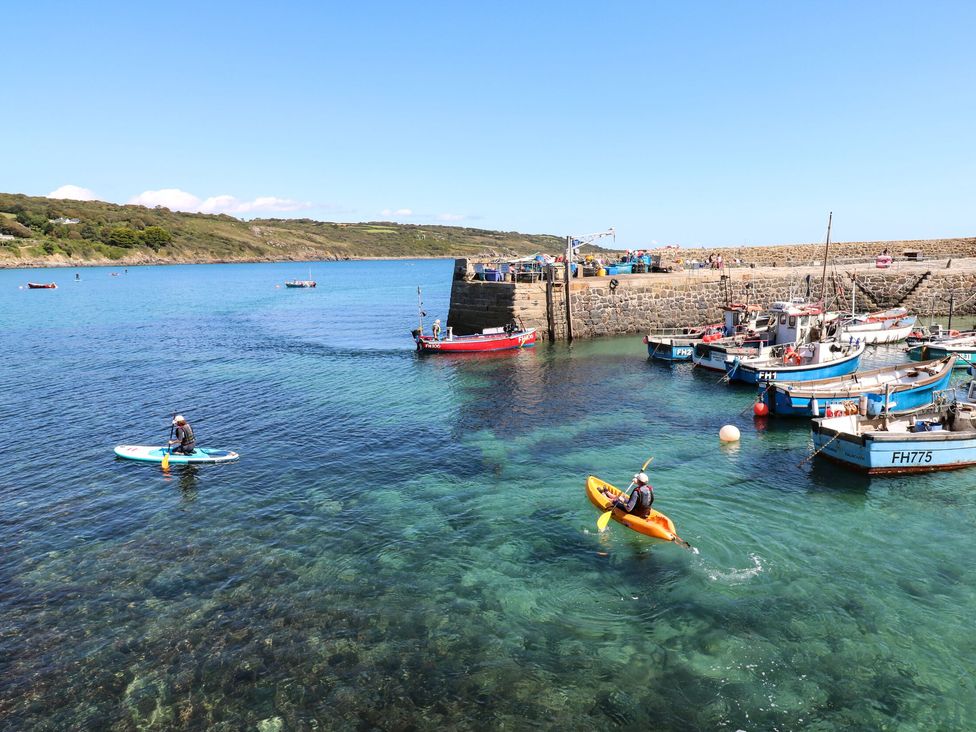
(185, 442)
(641, 498)
(436, 328)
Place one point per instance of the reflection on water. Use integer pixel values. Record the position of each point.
(406, 543)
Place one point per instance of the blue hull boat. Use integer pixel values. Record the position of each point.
(963, 349)
(940, 438)
(908, 387)
(811, 361)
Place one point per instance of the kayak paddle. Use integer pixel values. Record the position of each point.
(601, 523)
(166, 450)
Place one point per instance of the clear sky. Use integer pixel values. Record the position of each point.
(695, 123)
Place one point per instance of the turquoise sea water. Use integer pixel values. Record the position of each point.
(406, 542)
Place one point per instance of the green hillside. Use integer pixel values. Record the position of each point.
(43, 231)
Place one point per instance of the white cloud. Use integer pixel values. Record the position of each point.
(171, 198)
(397, 212)
(75, 193)
(230, 205)
(451, 217)
(177, 200)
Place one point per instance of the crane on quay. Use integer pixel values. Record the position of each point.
(573, 243)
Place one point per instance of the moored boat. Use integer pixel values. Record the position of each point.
(490, 339)
(300, 283)
(656, 524)
(908, 387)
(806, 362)
(942, 437)
(42, 285)
(962, 347)
(679, 344)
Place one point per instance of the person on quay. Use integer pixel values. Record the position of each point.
(185, 442)
(641, 498)
(436, 328)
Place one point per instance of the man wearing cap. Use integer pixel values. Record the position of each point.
(185, 442)
(641, 498)
(437, 329)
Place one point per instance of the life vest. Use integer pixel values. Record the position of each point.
(645, 497)
(186, 438)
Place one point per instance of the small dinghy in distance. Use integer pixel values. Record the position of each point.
(154, 454)
(42, 286)
(657, 524)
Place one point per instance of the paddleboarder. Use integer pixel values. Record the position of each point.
(641, 498)
(185, 441)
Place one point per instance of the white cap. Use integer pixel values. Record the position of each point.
(438, 320)
(178, 418)
(641, 478)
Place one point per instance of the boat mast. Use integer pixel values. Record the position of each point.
(420, 311)
(823, 282)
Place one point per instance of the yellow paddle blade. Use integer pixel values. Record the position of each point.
(601, 523)
(166, 461)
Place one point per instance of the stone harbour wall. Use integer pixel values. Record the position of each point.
(640, 303)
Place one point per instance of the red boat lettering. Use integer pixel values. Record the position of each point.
(912, 457)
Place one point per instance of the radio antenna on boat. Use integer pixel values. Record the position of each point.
(420, 310)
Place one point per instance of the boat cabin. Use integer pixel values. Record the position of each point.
(739, 318)
(796, 323)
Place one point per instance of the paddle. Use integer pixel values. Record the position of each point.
(601, 523)
(165, 463)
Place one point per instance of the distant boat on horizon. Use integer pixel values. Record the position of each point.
(301, 283)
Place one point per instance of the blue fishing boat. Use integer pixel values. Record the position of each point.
(906, 386)
(962, 347)
(678, 344)
(806, 362)
(941, 437)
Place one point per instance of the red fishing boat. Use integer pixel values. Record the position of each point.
(42, 285)
(506, 338)
(490, 339)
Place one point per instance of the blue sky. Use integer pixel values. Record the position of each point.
(708, 123)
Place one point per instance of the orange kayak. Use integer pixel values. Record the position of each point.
(657, 524)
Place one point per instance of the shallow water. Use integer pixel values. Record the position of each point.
(406, 542)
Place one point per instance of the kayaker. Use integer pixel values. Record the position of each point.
(641, 498)
(436, 328)
(185, 442)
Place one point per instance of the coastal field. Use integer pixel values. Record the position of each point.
(405, 542)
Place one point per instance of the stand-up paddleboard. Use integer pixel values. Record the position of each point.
(151, 454)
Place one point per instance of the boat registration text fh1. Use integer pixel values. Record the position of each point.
(911, 457)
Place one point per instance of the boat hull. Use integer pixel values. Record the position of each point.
(789, 399)
(965, 355)
(671, 349)
(42, 286)
(478, 343)
(765, 372)
(883, 453)
(656, 525)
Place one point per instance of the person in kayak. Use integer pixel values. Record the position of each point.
(641, 498)
(185, 442)
(436, 328)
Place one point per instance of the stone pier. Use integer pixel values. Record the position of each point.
(640, 303)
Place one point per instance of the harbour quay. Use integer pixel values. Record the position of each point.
(931, 278)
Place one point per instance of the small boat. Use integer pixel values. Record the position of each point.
(909, 387)
(883, 326)
(302, 283)
(154, 454)
(506, 338)
(42, 285)
(678, 344)
(941, 437)
(490, 339)
(963, 347)
(805, 362)
(657, 524)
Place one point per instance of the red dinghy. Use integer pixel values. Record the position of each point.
(42, 285)
(490, 339)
